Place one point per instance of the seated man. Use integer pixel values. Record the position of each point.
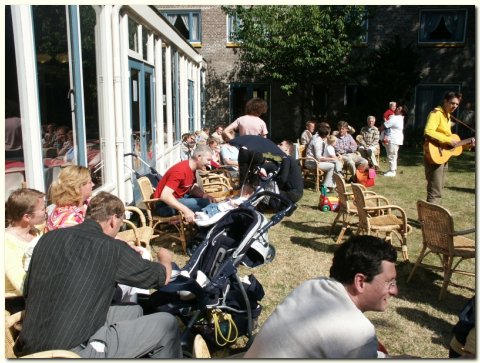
(70, 285)
(315, 150)
(369, 141)
(346, 147)
(179, 180)
(324, 317)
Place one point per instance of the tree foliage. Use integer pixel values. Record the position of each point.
(295, 45)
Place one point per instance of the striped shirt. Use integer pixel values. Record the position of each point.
(71, 282)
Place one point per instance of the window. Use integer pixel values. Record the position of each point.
(233, 23)
(187, 23)
(442, 27)
(359, 32)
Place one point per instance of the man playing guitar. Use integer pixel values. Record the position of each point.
(439, 134)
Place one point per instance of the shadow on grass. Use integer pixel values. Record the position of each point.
(314, 244)
(308, 227)
(462, 190)
(424, 287)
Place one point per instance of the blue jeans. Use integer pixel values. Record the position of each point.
(194, 204)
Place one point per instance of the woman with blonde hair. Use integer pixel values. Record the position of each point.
(70, 193)
(24, 211)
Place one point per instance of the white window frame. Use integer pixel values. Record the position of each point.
(422, 32)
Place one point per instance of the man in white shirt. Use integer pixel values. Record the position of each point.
(324, 317)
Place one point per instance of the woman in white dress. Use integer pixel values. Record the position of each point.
(395, 123)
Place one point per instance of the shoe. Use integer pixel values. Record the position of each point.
(200, 348)
(390, 173)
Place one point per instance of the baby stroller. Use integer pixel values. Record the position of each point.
(146, 170)
(207, 294)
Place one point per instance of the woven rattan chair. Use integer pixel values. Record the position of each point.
(347, 209)
(215, 183)
(12, 328)
(393, 221)
(137, 235)
(162, 225)
(440, 238)
(315, 174)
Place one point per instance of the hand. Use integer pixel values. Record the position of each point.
(189, 216)
(210, 198)
(473, 142)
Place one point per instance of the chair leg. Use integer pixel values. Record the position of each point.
(404, 248)
(339, 214)
(419, 260)
(447, 274)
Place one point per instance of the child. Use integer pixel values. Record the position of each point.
(330, 156)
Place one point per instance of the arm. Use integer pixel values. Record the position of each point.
(168, 198)
(352, 144)
(164, 257)
(14, 272)
(437, 121)
(230, 130)
(198, 192)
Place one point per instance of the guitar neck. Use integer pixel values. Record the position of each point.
(465, 142)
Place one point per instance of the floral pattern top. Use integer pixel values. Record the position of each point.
(65, 216)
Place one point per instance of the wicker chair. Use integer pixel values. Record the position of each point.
(440, 238)
(12, 328)
(315, 174)
(215, 183)
(393, 221)
(347, 208)
(137, 235)
(157, 222)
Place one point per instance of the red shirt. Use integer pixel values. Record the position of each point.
(387, 114)
(179, 177)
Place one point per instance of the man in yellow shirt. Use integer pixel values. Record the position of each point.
(438, 129)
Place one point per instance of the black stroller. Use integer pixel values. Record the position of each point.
(207, 294)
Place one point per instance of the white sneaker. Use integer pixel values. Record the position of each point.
(390, 173)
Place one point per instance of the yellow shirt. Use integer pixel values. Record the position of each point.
(17, 256)
(438, 125)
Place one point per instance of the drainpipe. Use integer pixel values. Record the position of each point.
(117, 95)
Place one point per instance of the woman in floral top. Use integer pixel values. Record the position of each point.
(70, 194)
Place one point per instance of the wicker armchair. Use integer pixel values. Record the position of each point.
(12, 328)
(137, 235)
(393, 221)
(162, 225)
(315, 174)
(215, 183)
(347, 208)
(440, 238)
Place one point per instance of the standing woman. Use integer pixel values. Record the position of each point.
(70, 194)
(395, 123)
(24, 210)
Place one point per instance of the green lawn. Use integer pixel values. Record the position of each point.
(415, 322)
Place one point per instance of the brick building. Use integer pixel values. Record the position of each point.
(442, 36)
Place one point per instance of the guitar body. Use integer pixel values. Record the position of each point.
(437, 153)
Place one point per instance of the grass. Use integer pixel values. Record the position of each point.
(415, 322)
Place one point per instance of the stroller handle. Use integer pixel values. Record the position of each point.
(151, 168)
(277, 217)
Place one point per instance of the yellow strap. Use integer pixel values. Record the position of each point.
(218, 331)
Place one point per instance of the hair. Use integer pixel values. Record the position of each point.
(217, 126)
(21, 202)
(369, 117)
(322, 131)
(66, 189)
(256, 106)
(361, 254)
(403, 109)
(452, 94)
(103, 206)
(200, 150)
(341, 124)
(391, 103)
(310, 122)
(212, 140)
(325, 124)
(331, 139)
(186, 136)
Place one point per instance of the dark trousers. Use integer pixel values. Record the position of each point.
(435, 175)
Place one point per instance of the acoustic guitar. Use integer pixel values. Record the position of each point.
(439, 153)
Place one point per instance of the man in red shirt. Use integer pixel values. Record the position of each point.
(178, 190)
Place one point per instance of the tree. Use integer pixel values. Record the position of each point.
(297, 46)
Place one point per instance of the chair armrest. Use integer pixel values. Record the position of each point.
(460, 233)
(152, 200)
(389, 207)
(377, 198)
(138, 212)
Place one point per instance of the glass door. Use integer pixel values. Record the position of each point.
(142, 115)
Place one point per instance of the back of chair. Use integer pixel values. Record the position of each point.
(10, 332)
(146, 188)
(437, 226)
(341, 191)
(360, 203)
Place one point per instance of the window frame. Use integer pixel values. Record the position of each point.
(438, 43)
(230, 22)
(191, 13)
